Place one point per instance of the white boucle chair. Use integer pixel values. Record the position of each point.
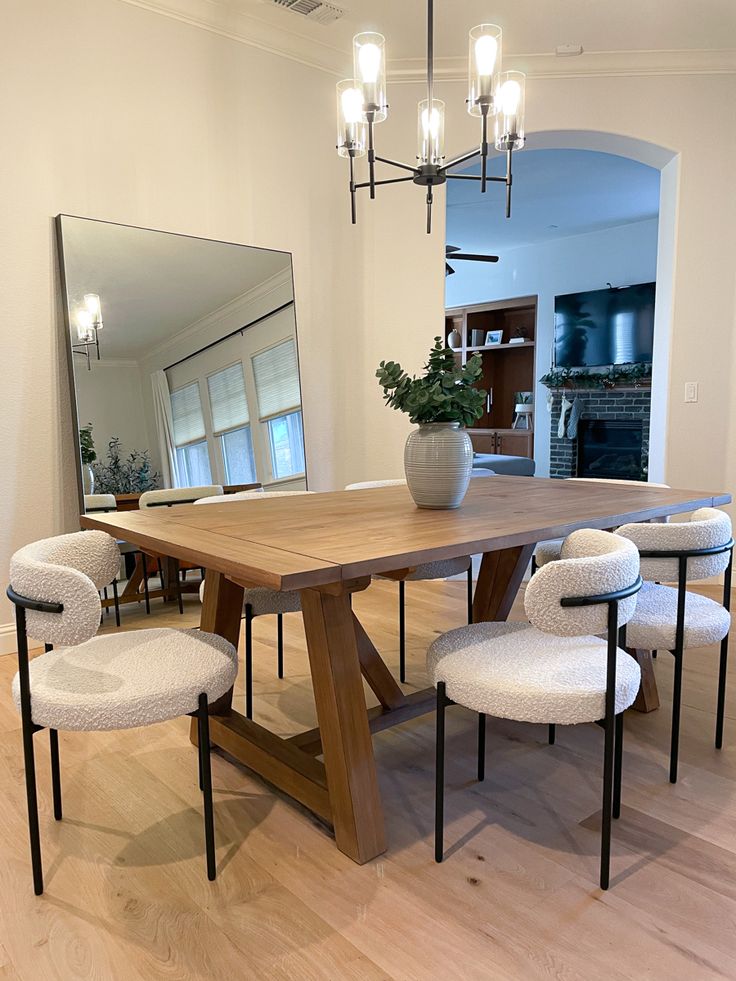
(675, 619)
(114, 681)
(549, 551)
(259, 601)
(103, 504)
(554, 670)
(424, 572)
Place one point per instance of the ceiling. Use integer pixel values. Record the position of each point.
(631, 37)
(556, 193)
(531, 26)
(154, 284)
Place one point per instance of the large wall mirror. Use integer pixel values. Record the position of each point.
(184, 360)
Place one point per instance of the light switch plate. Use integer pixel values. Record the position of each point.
(691, 391)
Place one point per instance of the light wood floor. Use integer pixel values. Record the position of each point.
(127, 896)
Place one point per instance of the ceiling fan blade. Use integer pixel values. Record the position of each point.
(449, 271)
(471, 257)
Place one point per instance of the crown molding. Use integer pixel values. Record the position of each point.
(217, 18)
(587, 65)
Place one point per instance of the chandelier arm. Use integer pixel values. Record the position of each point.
(353, 215)
(429, 209)
(390, 180)
(396, 163)
(508, 181)
(474, 177)
(484, 150)
(371, 155)
(458, 160)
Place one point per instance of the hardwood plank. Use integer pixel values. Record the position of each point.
(346, 742)
(501, 574)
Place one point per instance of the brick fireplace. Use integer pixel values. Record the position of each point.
(613, 435)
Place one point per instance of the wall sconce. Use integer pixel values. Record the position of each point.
(89, 323)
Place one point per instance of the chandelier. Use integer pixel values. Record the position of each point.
(495, 96)
(89, 323)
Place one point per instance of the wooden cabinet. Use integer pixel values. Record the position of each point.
(509, 442)
(508, 367)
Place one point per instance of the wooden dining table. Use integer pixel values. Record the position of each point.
(328, 546)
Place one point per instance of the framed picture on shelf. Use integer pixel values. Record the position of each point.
(493, 337)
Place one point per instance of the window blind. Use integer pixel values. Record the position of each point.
(228, 402)
(186, 410)
(277, 380)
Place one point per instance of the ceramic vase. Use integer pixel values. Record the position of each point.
(438, 460)
(88, 479)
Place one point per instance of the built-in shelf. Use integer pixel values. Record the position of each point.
(497, 347)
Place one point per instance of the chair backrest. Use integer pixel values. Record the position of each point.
(176, 495)
(68, 569)
(592, 563)
(99, 502)
(707, 528)
(251, 495)
(368, 484)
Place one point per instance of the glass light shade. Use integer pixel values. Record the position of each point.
(369, 69)
(350, 119)
(510, 111)
(484, 66)
(431, 132)
(94, 309)
(85, 326)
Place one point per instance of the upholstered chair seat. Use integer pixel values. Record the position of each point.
(682, 552)
(514, 671)
(263, 601)
(125, 680)
(85, 682)
(654, 625)
(554, 670)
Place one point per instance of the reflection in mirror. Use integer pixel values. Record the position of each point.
(184, 359)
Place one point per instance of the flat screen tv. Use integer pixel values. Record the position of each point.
(605, 327)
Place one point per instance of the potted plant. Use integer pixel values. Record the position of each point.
(523, 409)
(88, 454)
(438, 457)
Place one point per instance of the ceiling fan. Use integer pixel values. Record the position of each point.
(453, 252)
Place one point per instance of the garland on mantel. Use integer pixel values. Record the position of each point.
(637, 375)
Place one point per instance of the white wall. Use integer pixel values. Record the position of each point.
(109, 396)
(622, 255)
(118, 113)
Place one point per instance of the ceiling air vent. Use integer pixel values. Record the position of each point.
(319, 11)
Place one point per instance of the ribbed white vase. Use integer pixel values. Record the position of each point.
(438, 460)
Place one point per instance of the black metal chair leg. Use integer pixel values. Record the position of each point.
(534, 564)
(177, 586)
(117, 602)
(481, 746)
(439, 792)
(676, 707)
(470, 593)
(107, 608)
(402, 631)
(248, 661)
(145, 582)
(618, 763)
(654, 655)
(206, 775)
(280, 645)
(55, 772)
(608, 759)
(551, 733)
(721, 706)
(32, 798)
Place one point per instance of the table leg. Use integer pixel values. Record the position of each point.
(222, 611)
(648, 698)
(500, 576)
(346, 739)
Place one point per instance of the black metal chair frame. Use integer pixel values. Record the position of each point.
(683, 556)
(29, 729)
(249, 618)
(612, 724)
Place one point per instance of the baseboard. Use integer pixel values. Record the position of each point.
(7, 638)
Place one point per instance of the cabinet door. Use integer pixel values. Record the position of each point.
(483, 440)
(514, 442)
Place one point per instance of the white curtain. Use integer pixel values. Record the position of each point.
(165, 428)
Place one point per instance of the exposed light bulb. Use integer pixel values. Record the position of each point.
(351, 102)
(486, 50)
(85, 323)
(431, 126)
(94, 308)
(369, 62)
(510, 97)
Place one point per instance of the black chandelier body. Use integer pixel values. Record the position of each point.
(494, 96)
